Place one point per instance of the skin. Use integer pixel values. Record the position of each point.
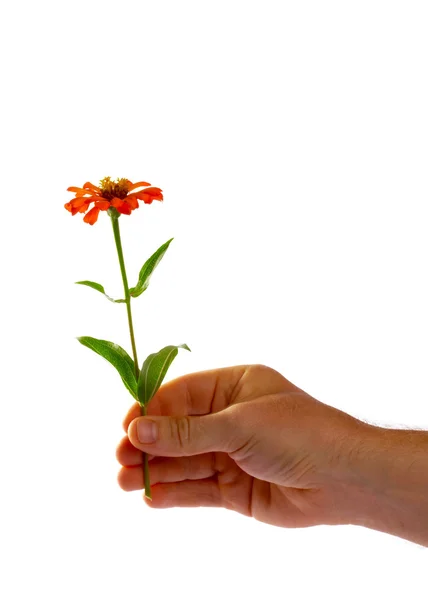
(247, 439)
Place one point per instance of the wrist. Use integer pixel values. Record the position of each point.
(388, 469)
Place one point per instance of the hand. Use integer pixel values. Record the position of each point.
(246, 439)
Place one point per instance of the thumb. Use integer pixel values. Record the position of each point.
(186, 435)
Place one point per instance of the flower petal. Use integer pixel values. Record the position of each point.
(78, 202)
(145, 197)
(87, 193)
(124, 208)
(91, 186)
(153, 192)
(88, 198)
(148, 197)
(116, 202)
(80, 209)
(102, 204)
(92, 216)
(136, 185)
(132, 201)
(76, 189)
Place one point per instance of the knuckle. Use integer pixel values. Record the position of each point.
(180, 432)
(235, 426)
(259, 369)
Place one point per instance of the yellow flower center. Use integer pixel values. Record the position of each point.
(114, 189)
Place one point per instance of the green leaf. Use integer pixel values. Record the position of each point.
(118, 357)
(99, 288)
(147, 270)
(154, 370)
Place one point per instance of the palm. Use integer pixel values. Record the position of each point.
(267, 502)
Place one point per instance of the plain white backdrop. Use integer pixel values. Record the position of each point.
(290, 142)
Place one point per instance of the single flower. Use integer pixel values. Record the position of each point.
(123, 195)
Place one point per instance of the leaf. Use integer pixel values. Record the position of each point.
(118, 357)
(154, 370)
(147, 270)
(99, 288)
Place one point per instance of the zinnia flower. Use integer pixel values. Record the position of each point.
(120, 195)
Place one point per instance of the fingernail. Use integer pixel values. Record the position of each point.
(147, 431)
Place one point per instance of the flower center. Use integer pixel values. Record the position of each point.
(114, 189)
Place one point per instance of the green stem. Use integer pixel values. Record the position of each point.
(115, 222)
(147, 490)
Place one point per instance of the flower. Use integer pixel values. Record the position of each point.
(120, 195)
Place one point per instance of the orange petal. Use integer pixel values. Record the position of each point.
(125, 209)
(132, 201)
(88, 198)
(80, 209)
(148, 198)
(87, 193)
(78, 202)
(92, 216)
(71, 206)
(76, 189)
(102, 204)
(79, 191)
(135, 185)
(152, 190)
(122, 206)
(91, 186)
(116, 202)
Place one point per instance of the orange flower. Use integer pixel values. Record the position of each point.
(123, 195)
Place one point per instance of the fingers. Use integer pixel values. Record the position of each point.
(186, 494)
(194, 394)
(127, 455)
(168, 470)
(189, 481)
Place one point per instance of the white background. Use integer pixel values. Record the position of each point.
(290, 142)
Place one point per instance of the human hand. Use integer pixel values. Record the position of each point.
(246, 439)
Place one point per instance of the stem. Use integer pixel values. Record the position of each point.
(147, 490)
(115, 222)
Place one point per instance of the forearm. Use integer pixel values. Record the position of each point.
(389, 467)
